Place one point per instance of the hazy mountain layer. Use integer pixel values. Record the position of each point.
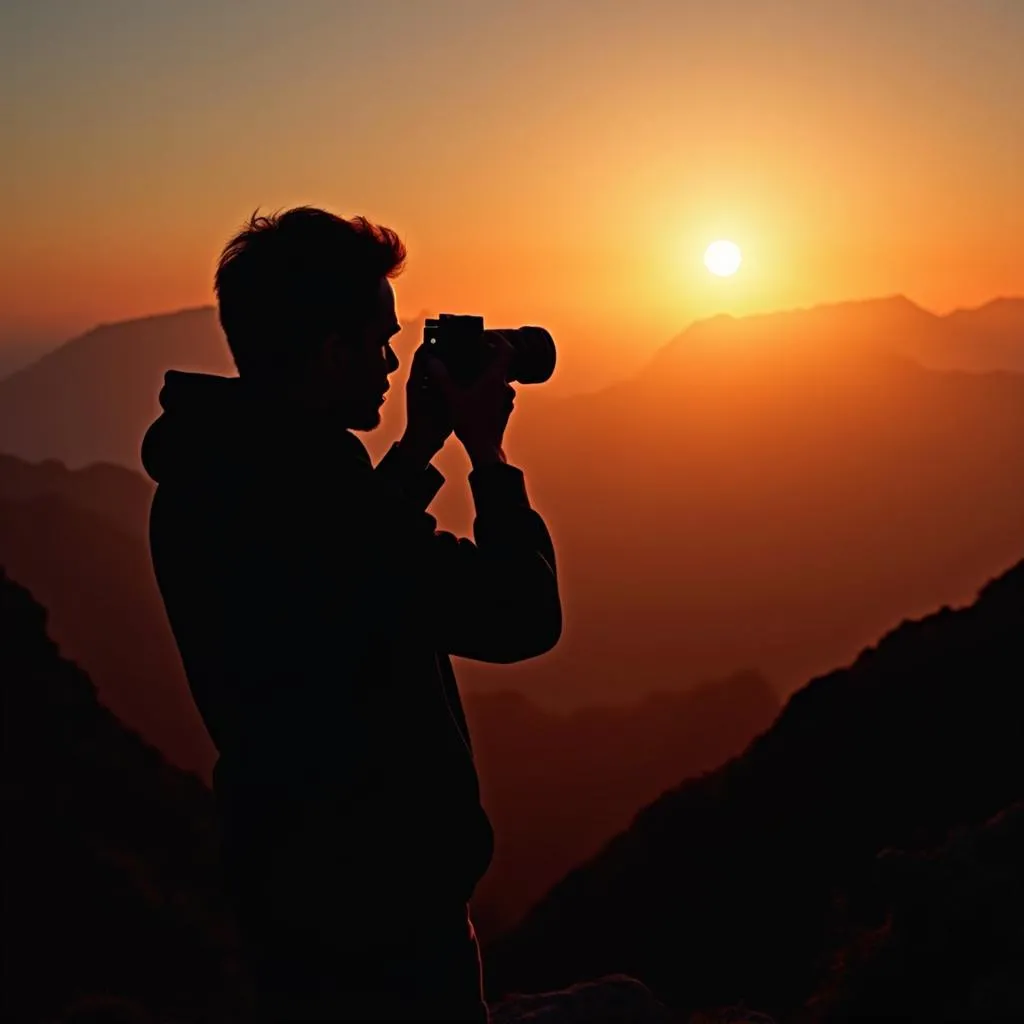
(792, 472)
(90, 399)
(772, 491)
(558, 786)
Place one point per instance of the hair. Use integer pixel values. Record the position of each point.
(287, 279)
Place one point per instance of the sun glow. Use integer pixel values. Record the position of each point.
(723, 258)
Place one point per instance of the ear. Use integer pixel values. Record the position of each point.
(332, 351)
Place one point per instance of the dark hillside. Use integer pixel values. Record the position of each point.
(111, 878)
(730, 887)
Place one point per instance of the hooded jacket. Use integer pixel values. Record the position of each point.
(315, 606)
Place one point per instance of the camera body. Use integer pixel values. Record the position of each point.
(462, 344)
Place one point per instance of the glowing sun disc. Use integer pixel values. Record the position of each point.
(723, 258)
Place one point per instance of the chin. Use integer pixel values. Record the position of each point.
(367, 420)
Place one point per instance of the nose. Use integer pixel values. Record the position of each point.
(391, 360)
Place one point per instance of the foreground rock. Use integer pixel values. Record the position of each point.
(111, 888)
(611, 1000)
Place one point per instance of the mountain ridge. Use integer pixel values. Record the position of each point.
(743, 884)
(1003, 304)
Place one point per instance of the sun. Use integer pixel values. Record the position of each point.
(723, 258)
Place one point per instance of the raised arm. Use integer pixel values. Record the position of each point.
(497, 599)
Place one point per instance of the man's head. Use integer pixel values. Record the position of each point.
(307, 306)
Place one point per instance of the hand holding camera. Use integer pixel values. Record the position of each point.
(460, 380)
(428, 418)
(481, 409)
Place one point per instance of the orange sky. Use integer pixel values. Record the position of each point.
(557, 163)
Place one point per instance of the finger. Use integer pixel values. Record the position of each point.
(438, 374)
(502, 357)
(420, 358)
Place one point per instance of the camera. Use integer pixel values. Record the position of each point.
(461, 343)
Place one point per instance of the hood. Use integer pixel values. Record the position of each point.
(200, 422)
(210, 421)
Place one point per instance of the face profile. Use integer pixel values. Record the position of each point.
(357, 365)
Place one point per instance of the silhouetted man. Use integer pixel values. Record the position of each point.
(315, 607)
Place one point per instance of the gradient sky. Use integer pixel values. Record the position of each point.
(550, 162)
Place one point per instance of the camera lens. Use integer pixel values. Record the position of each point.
(533, 358)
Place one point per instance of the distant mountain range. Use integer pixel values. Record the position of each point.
(90, 399)
(17, 353)
(116, 494)
(762, 883)
(771, 492)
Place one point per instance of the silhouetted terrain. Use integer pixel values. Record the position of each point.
(111, 879)
(556, 785)
(761, 880)
(747, 883)
(795, 472)
(113, 492)
(950, 945)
